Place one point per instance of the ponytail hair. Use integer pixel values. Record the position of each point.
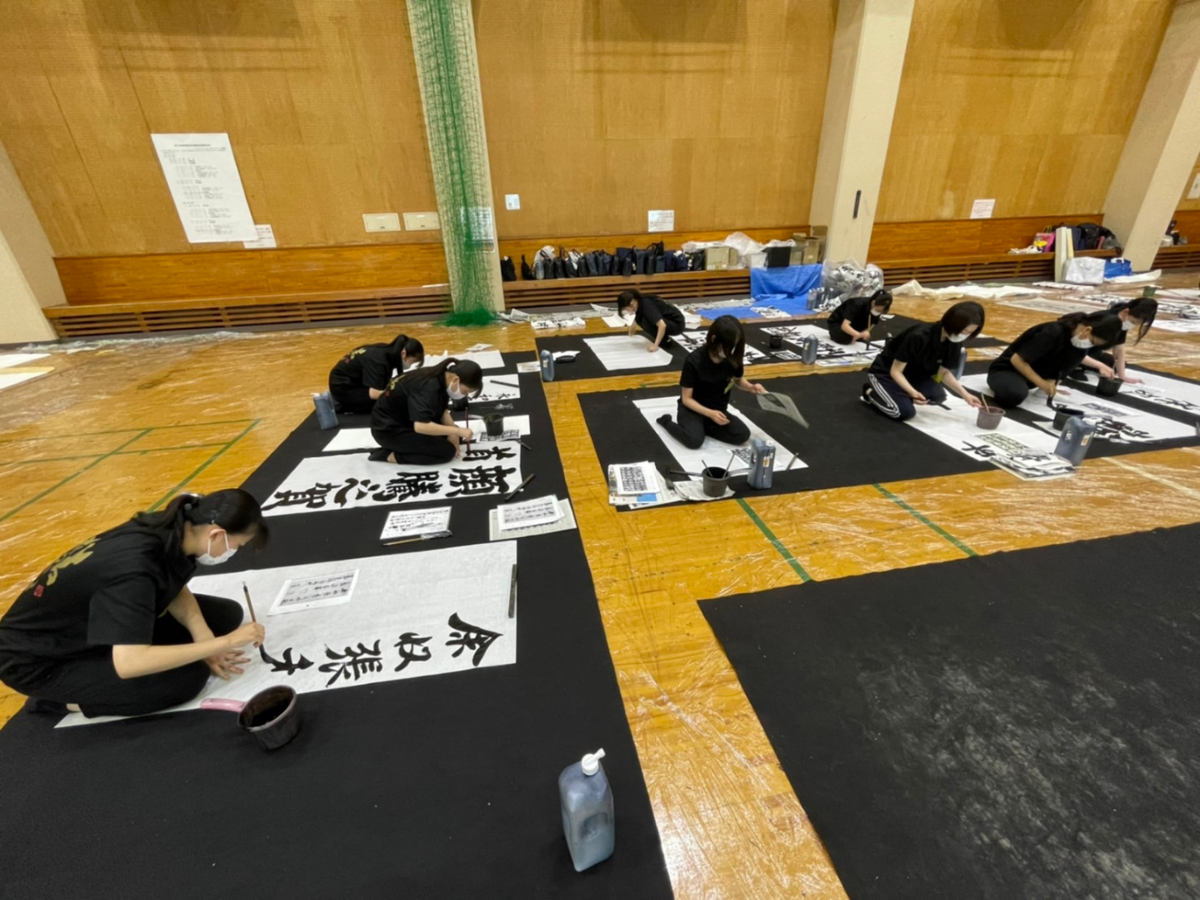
(627, 297)
(232, 509)
(1144, 309)
(882, 297)
(410, 347)
(467, 370)
(1106, 326)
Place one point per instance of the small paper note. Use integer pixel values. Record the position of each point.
(415, 522)
(541, 511)
(308, 593)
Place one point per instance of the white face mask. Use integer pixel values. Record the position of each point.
(207, 559)
(1081, 343)
(957, 338)
(1127, 326)
(454, 392)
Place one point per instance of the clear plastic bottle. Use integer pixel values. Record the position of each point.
(587, 811)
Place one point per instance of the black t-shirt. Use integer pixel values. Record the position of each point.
(1048, 350)
(856, 310)
(921, 349)
(408, 400)
(652, 310)
(710, 382)
(370, 366)
(109, 590)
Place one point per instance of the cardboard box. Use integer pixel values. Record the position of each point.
(719, 258)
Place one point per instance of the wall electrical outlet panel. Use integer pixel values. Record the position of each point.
(422, 221)
(512, 201)
(381, 221)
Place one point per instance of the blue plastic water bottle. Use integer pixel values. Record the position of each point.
(1075, 439)
(547, 360)
(587, 811)
(326, 416)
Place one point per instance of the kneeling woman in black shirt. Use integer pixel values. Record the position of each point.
(907, 372)
(411, 421)
(1045, 353)
(853, 319)
(709, 374)
(652, 314)
(1135, 315)
(111, 627)
(361, 376)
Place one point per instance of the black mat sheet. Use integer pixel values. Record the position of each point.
(586, 365)
(848, 443)
(444, 786)
(1022, 725)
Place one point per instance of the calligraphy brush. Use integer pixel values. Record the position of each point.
(253, 618)
(420, 537)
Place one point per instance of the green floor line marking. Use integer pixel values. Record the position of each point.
(204, 465)
(92, 464)
(770, 536)
(50, 459)
(55, 437)
(942, 532)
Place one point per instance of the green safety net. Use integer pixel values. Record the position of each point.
(443, 38)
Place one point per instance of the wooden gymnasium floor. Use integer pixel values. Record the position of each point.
(122, 427)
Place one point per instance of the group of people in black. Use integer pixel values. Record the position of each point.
(111, 628)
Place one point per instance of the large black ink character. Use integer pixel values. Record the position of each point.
(478, 453)
(982, 451)
(313, 497)
(408, 484)
(479, 480)
(361, 488)
(470, 637)
(351, 663)
(286, 664)
(409, 646)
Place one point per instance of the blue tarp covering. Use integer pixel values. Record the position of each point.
(791, 281)
(786, 289)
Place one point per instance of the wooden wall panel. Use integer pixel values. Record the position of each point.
(1188, 223)
(258, 273)
(1019, 100)
(319, 98)
(895, 241)
(600, 110)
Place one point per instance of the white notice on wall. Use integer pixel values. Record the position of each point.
(661, 220)
(982, 209)
(266, 239)
(206, 187)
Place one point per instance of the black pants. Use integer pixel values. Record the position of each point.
(838, 336)
(417, 449)
(1009, 387)
(93, 683)
(352, 400)
(887, 396)
(691, 428)
(675, 323)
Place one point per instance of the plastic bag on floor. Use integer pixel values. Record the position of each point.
(1085, 270)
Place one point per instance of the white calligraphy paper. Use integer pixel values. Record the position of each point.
(619, 351)
(712, 451)
(298, 594)
(413, 522)
(413, 614)
(323, 483)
